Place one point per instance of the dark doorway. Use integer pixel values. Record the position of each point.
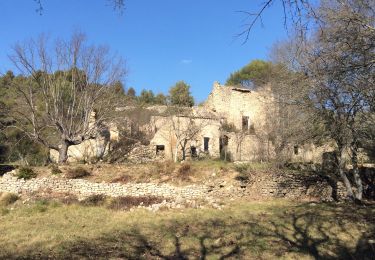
(295, 148)
(206, 141)
(160, 149)
(245, 123)
(193, 151)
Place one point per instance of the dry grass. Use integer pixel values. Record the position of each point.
(7, 199)
(243, 230)
(127, 202)
(119, 203)
(157, 172)
(77, 173)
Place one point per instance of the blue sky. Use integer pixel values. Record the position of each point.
(163, 41)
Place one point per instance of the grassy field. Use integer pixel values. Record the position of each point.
(242, 230)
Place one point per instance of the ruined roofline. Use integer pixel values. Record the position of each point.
(235, 88)
(193, 117)
(200, 117)
(245, 90)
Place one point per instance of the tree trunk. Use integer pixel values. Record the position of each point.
(357, 178)
(183, 154)
(176, 153)
(63, 152)
(341, 170)
(183, 150)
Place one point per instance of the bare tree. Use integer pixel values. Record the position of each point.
(302, 16)
(338, 62)
(69, 95)
(336, 65)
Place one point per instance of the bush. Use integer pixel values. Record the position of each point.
(242, 177)
(55, 169)
(22, 148)
(122, 179)
(242, 168)
(41, 205)
(26, 173)
(4, 211)
(68, 199)
(94, 200)
(166, 167)
(229, 127)
(127, 202)
(243, 172)
(8, 198)
(76, 173)
(184, 169)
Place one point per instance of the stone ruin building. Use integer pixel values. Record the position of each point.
(230, 124)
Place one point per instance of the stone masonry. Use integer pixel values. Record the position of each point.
(83, 188)
(259, 186)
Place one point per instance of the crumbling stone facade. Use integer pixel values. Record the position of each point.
(232, 118)
(232, 124)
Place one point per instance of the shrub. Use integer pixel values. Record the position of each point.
(243, 172)
(94, 200)
(55, 169)
(184, 169)
(242, 168)
(242, 177)
(76, 173)
(229, 127)
(4, 211)
(68, 199)
(122, 179)
(166, 167)
(121, 203)
(26, 173)
(8, 199)
(41, 205)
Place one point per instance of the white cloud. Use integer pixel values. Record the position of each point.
(186, 61)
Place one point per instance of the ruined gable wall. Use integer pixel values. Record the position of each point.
(232, 104)
(163, 135)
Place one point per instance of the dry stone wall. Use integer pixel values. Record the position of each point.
(261, 187)
(83, 188)
(142, 154)
(258, 186)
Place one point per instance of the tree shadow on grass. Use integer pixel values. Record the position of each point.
(318, 231)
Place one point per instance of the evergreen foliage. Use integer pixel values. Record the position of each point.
(253, 75)
(180, 95)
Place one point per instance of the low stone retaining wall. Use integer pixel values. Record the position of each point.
(296, 186)
(279, 185)
(84, 188)
(260, 185)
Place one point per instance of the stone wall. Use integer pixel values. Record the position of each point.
(259, 186)
(142, 154)
(168, 128)
(233, 103)
(83, 188)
